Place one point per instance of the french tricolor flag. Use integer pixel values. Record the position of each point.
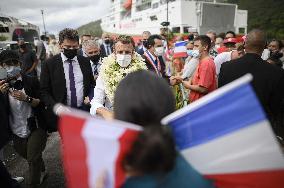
(227, 137)
(94, 148)
(180, 49)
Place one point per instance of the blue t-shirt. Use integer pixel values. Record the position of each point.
(182, 176)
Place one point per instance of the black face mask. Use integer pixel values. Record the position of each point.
(95, 58)
(144, 42)
(107, 41)
(70, 53)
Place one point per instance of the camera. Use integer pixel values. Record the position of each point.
(12, 81)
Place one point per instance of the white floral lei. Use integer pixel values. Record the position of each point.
(112, 73)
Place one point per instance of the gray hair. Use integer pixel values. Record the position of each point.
(91, 43)
(146, 33)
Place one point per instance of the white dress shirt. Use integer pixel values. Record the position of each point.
(107, 49)
(20, 112)
(97, 66)
(220, 59)
(100, 99)
(78, 80)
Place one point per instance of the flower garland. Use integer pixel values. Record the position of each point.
(112, 73)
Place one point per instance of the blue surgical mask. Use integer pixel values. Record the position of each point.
(195, 53)
(189, 52)
(13, 71)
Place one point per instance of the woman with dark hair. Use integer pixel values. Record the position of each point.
(144, 99)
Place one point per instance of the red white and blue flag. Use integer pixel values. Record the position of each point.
(180, 49)
(224, 135)
(93, 148)
(227, 137)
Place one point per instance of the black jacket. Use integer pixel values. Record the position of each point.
(152, 68)
(4, 117)
(268, 83)
(53, 83)
(103, 51)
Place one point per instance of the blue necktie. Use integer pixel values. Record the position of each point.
(156, 63)
(72, 85)
(108, 50)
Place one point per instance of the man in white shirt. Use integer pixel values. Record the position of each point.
(228, 56)
(114, 68)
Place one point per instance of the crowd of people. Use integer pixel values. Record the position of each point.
(114, 77)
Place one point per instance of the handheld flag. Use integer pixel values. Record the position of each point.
(180, 49)
(92, 147)
(227, 137)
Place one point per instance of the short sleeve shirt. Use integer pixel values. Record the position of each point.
(205, 76)
(28, 58)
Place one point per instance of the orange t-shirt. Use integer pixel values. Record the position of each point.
(205, 76)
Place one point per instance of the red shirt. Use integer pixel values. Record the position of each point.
(205, 76)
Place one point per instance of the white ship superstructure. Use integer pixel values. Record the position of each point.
(135, 16)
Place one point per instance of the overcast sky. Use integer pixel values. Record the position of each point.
(58, 14)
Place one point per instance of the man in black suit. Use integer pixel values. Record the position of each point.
(268, 80)
(153, 55)
(106, 46)
(67, 77)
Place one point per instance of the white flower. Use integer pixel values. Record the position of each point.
(112, 73)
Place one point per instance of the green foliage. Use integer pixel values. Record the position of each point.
(92, 28)
(3, 38)
(264, 14)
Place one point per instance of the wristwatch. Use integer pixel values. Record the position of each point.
(29, 99)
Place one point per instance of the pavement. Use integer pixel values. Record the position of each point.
(18, 166)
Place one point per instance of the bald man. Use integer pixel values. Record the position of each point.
(268, 80)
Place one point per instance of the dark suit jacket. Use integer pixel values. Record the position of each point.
(4, 117)
(140, 51)
(151, 68)
(103, 51)
(268, 83)
(53, 83)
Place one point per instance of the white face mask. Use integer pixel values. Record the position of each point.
(217, 46)
(195, 53)
(123, 60)
(159, 51)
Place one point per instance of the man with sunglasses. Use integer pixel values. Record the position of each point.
(67, 77)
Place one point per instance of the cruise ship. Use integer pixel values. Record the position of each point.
(132, 17)
(13, 29)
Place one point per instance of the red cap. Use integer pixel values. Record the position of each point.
(230, 40)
